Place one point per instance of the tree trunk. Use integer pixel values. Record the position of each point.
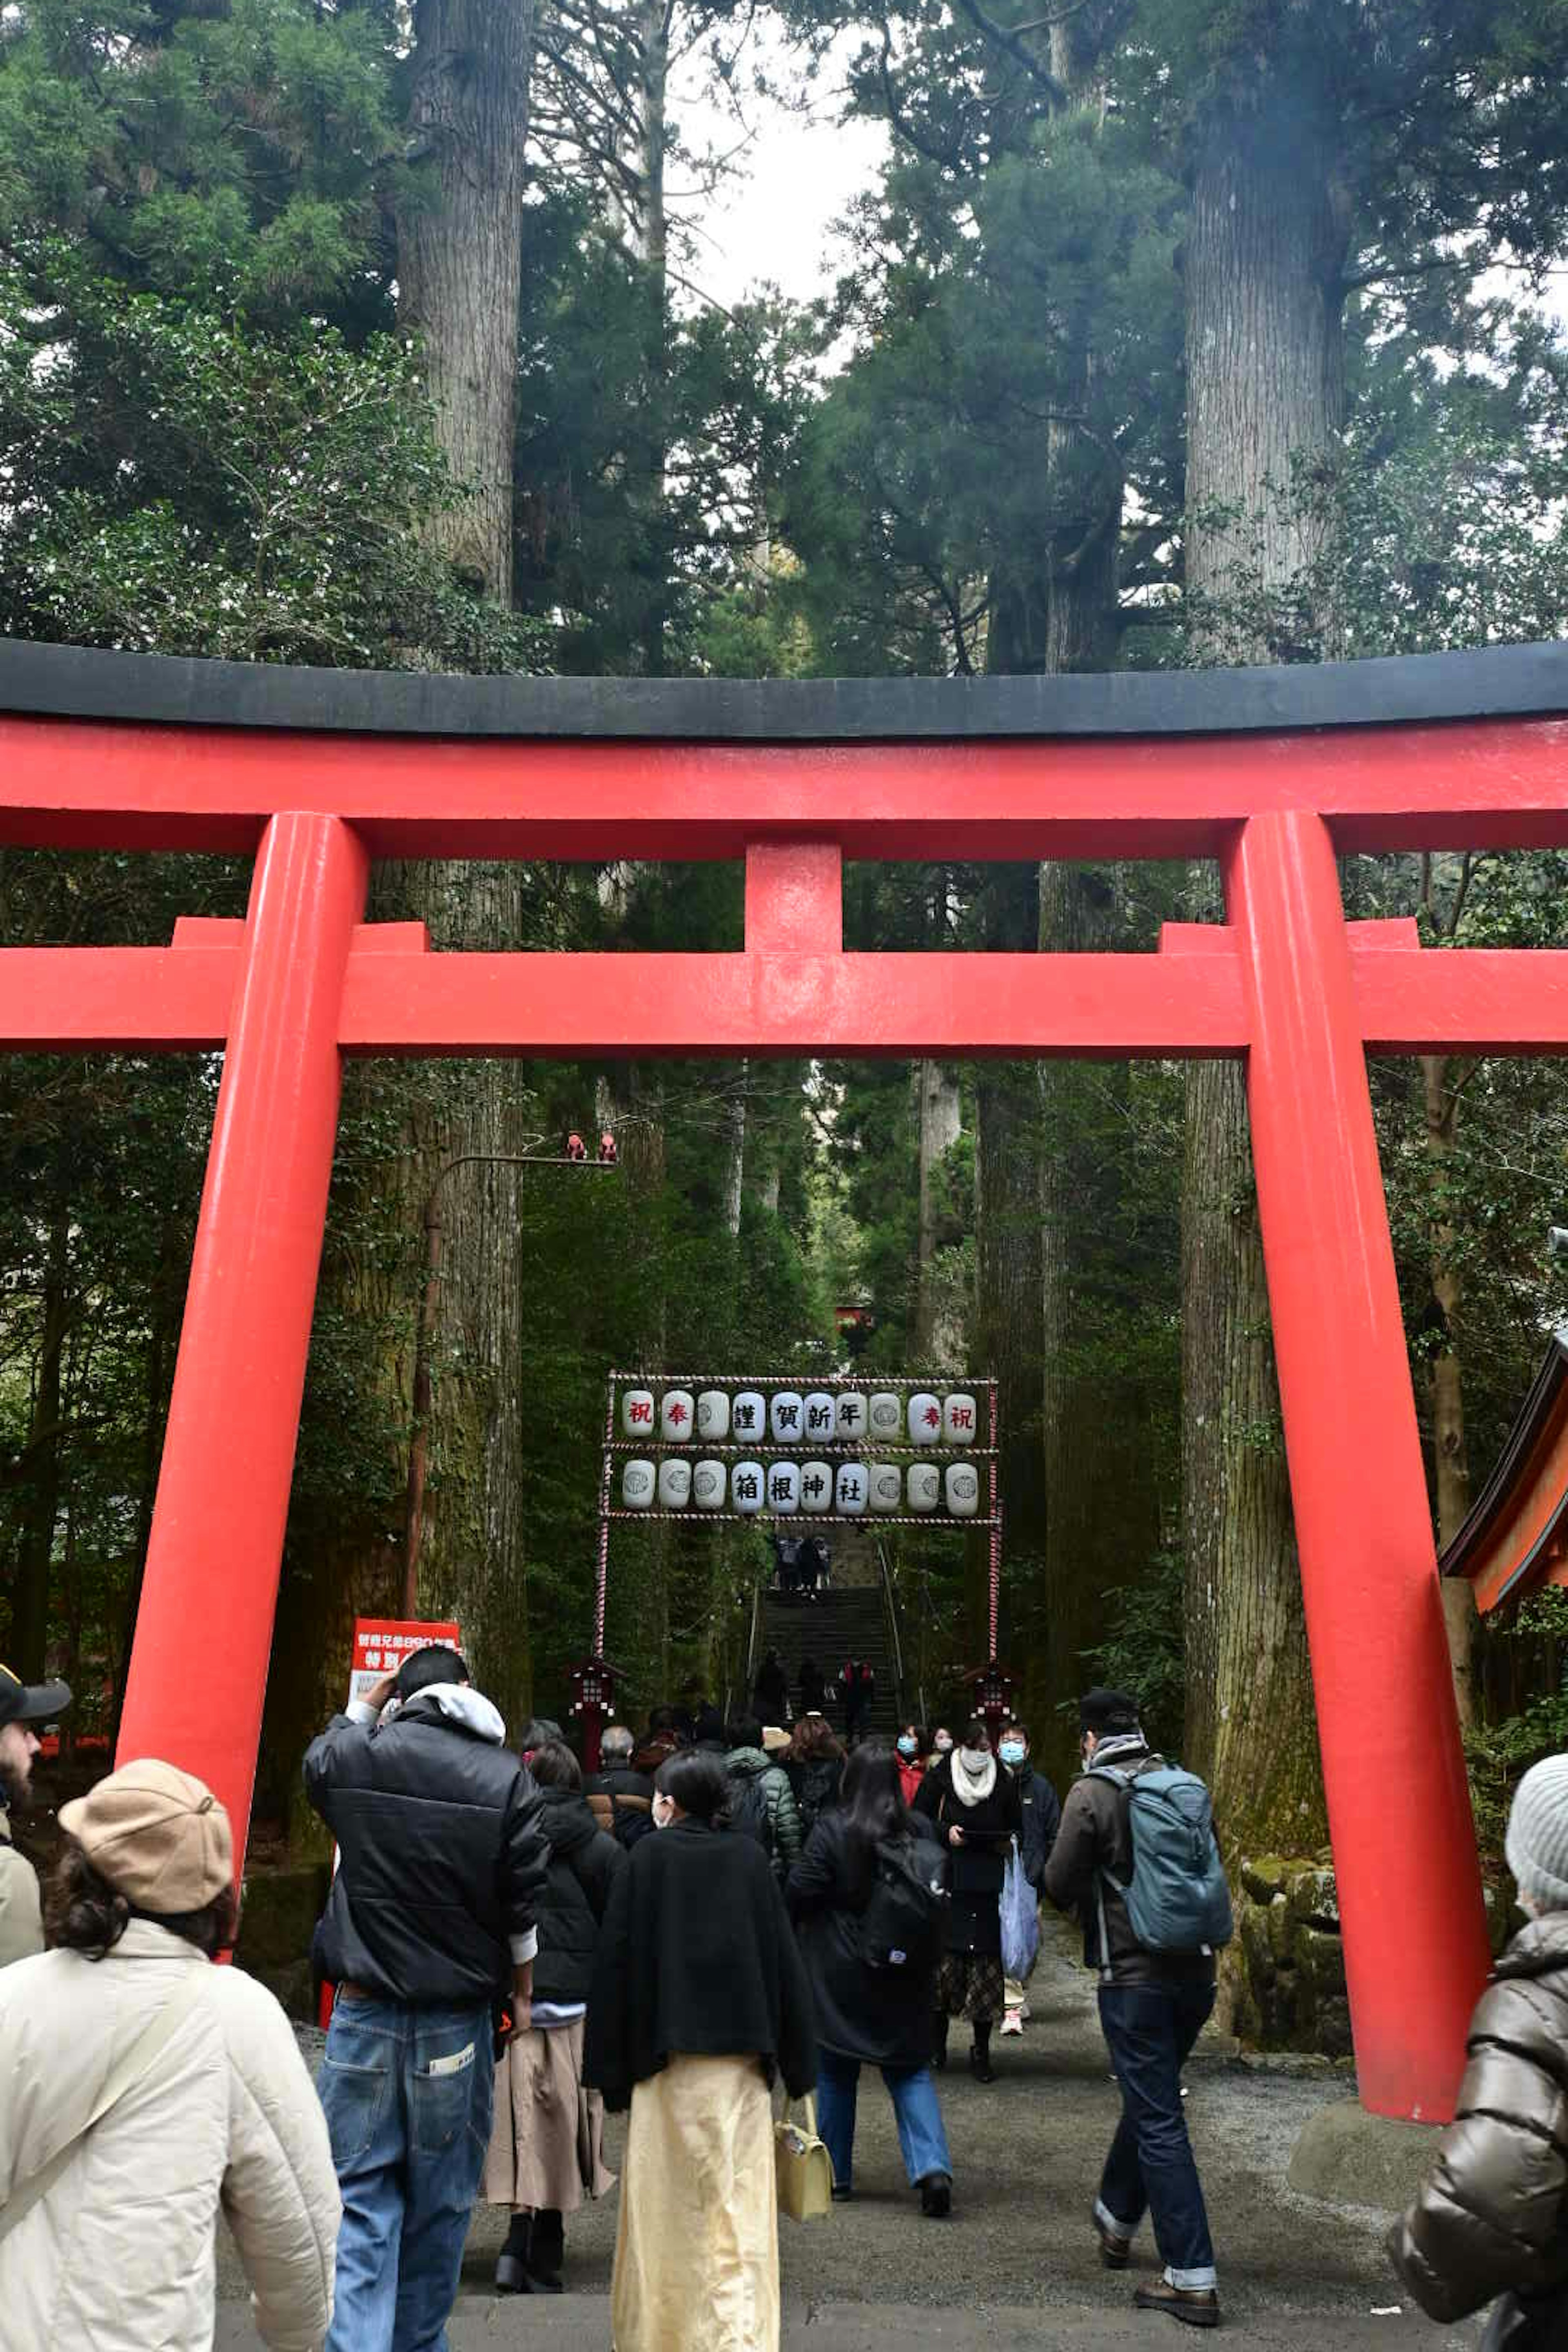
(1451, 1456)
(459, 264)
(1007, 1240)
(460, 258)
(1265, 390)
(35, 1549)
(1102, 1506)
(736, 1154)
(653, 44)
(941, 1118)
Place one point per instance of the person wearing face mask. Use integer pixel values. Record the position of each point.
(975, 1805)
(940, 1746)
(913, 1761)
(1042, 1812)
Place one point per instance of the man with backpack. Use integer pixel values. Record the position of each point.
(762, 1802)
(1136, 1858)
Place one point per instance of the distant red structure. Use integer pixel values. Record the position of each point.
(1273, 774)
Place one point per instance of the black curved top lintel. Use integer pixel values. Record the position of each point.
(80, 682)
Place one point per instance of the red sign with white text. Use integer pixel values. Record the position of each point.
(381, 1645)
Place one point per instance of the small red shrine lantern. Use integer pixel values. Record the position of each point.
(594, 1704)
(992, 1688)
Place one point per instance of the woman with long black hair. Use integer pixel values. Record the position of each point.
(699, 2003)
(873, 2005)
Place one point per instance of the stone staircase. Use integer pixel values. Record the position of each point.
(851, 1623)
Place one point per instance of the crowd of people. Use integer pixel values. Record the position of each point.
(719, 1917)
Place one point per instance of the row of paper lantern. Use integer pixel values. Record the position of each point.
(848, 1489)
(789, 1418)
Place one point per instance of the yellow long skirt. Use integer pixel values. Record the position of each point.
(697, 2244)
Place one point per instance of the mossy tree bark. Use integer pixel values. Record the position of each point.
(1265, 369)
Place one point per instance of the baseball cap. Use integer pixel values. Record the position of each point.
(157, 1834)
(23, 1702)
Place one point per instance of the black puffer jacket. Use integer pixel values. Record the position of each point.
(1491, 2214)
(442, 1857)
(584, 1863)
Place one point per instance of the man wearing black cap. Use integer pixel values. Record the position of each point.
(21, 1705)
(1153, 2006)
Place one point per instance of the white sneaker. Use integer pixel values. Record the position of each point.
(1012, 2022)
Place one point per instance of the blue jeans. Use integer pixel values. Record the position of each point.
(921, 2139)
(408, 2094)
(1149, 2031)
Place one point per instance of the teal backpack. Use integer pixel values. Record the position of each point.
(1177, 1899)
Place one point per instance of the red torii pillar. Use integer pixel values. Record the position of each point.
(1386, 1716)
(204, 1628)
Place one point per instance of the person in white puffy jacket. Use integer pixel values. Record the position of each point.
(144, 2088)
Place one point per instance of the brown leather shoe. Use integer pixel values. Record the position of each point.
(1195, 2307)
(1115, 2251)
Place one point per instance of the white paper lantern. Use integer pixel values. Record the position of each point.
(963, 1484)
(786, 1416)
(849, 1417)
(713, 1416)
(887, 1486)
(925, 1418)
(924, 1485)
(638, 1414)
(677, 1416)
(749, 1417)
(821, 1418)
(783, 1486)
(708, 1483)
(674, 1483)
(748, 1487)
(886, 1418)
(816, 1487)
(638, 1484)
(959, 1426)
(849, 1490)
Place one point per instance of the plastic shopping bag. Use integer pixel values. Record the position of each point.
(1020, 1920)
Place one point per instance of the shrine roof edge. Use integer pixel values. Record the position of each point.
(83, 682)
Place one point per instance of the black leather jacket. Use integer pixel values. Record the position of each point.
(443, 1857)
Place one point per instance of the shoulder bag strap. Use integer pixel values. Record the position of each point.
(129, 2071)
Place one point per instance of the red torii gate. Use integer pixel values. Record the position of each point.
(1271, 771)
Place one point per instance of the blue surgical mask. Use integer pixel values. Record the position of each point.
(1012, 1751)
(906, 1746)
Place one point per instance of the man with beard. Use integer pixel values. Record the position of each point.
(22, 1706)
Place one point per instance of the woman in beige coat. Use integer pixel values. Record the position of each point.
(145, 2088)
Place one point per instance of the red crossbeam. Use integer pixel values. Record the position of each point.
(1472, 784)
(401, 1000)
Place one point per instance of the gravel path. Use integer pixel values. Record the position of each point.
(1018, 2261)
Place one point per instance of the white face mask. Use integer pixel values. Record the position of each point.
(943, 1742)
(975, 1759)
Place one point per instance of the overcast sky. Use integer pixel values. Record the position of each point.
(772, 219)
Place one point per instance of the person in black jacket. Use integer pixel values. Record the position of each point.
(689, 2030)
(620, 1793)
(430, 1923)
(814, 1765)
(879, 2017)
(973, 1802)
(546, 2146)
(813, 1689)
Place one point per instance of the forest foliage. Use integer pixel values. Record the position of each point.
(971, 454)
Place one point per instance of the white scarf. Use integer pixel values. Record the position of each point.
(969, 1786)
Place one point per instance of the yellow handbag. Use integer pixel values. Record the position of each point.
(803, 2167)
